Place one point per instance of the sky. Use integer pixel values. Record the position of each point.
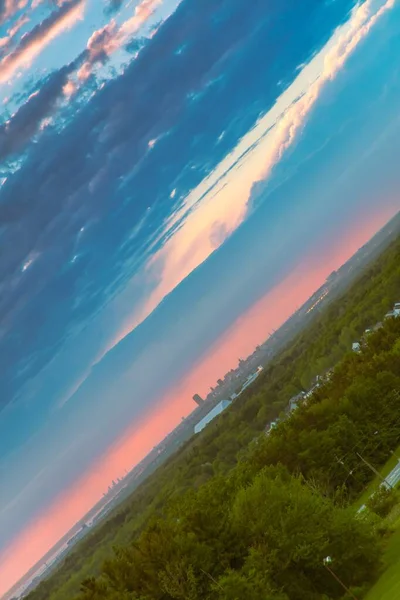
(176, 178)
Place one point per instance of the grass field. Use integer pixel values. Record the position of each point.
(388, 586)
(374, 485)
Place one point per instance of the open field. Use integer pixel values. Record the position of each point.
(388, 586)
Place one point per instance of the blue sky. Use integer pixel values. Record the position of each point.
(164, 166)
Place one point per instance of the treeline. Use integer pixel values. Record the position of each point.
(264, 530)
(214, 453)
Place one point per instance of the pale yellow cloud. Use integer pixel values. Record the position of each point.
(222, 200)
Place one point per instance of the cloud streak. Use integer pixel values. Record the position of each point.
(27, 121)
(223, 199)
(33, 43)
(104, 42)
(9, 8)
(7, 40)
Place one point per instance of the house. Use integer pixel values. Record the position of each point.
(271, 426)
(395, 312)
(295, 401)
(356, 347)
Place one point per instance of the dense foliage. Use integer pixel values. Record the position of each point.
(200, 525)
(232, 539)
(383, 501)
(261, 532)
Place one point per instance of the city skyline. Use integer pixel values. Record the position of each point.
(92, 518)
(194, 182)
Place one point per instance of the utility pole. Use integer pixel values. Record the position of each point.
(373, 470)
(327, 562)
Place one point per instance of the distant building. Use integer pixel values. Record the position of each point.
(395, 312)
(356, 347)
(217, 410)
(252, 377)
(271, 426)
(295, 401)
(198, 399)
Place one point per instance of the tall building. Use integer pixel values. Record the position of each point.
(198, 399)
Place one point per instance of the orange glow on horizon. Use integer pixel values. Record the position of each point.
(249, 330)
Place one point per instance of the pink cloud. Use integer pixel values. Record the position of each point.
(33, 43)
(10, 8)
(13, 30)
(110, 38)
(69, 89)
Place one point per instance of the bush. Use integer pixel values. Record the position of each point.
(383, 501)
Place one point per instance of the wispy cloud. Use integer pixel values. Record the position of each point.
(110, 38)
(363, 19)
(33, 43)
(12, 31)
(27, 120)
(222, 200)
(9, 8)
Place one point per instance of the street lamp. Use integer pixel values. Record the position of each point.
(327, 562)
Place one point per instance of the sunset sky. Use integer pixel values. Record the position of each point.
(176, 178)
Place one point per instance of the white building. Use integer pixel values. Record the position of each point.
(271, 426)
(295, 401)
(356, 347)
(250, 379)
(395, 312)
(217, 410)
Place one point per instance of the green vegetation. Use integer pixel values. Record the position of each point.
(242, 537)
(388, 586)
(376, 482)
(383, 501)
(236, 514)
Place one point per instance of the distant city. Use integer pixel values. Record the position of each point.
(225, 392)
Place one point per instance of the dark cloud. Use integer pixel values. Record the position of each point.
(25, 123)
(135, 44)
(100, 174)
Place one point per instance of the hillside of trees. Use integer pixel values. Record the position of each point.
(235, 511)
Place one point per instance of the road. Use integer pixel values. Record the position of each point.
(391, 481)
(394, 476)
